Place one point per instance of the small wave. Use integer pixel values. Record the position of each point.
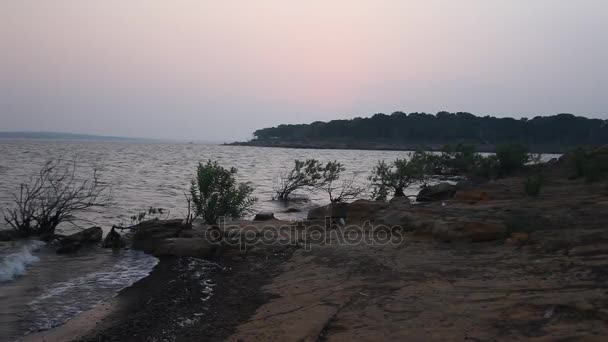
(63, 300)
(15, 264)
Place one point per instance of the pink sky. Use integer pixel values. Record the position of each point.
(217, 70)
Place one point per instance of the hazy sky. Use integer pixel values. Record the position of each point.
(217, 70)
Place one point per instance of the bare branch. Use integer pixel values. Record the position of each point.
(54, 196)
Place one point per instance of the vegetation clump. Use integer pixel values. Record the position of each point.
(215, 193)
(590, 165)
(397, 176)
(533, 185)
(511, 158)
(339, 190)
(54, 196)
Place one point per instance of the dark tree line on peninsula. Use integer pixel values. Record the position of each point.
(561, 131)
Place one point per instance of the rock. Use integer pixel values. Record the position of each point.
(400, 200)
(113, 240)
(401, 219)
(472, 196)
(470, 231)
(360, 210)
(292, 210)
(74, 242)
(589, 250)
(150, 233)
(438, 192)
(520, 237)
(333, 210)
(264, 216)
(182, 247)
(7, 235)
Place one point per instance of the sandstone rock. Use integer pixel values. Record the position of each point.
(438, 192)
(589, 250)
(402, 219)
(472, 196)
(150, 233)
(264, 216)
(113, 240)
(74, 242)
(471, 231)
(400, 200)
(360, 210)
(520, 237)
(333, 210)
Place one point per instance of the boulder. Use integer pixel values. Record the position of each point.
(264, 216)
(400, 200)
(472, 196)
(182, 247)
(438, 192)
(333, 210)
(151, 232)
(404, 220)
(113, 240)
(469, 231)
(74, 242)
(360, 210)
(7, 235)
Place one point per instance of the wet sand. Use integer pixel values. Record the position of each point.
(182, 299)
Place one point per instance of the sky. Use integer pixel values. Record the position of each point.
(218, 70)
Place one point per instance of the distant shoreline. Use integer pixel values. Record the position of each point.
(380, 146)
(60, 136)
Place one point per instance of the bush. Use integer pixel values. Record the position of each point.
(579, 157)
(592, 166)
(399, 175)
(533, 185)
(338, 191)
(511, 158)
(306, 174)
(54, 196)
(457, 159)
(215, 193)
(595, 171)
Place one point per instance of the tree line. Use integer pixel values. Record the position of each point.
(562, 130)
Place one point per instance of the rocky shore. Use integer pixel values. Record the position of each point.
(484, 262)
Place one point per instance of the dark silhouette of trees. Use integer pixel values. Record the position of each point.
(557, 132)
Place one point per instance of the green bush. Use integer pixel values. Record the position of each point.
(307, 174)
(511, 158)
(579, 157)
(595, 171)
(215, 193)
(533, 185)
(591, 166)
(457, 159)
(400, 174)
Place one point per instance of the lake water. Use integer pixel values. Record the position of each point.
(144, 175)
(39, 289)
